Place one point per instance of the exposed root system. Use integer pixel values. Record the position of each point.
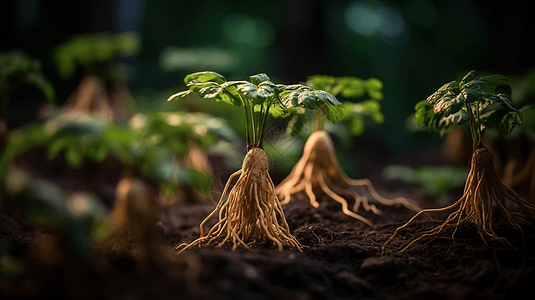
(483, 188)
(251, 215)
(318, 172)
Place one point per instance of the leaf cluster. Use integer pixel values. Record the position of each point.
(179, 130)
(353, 115)
(484, 102)
(17, 69)
(89, 49)
(259, 97)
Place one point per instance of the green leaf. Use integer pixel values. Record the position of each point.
(321, 82)
(449, 104)
(206, 76)
(259, 93)
(509, 122)
(497, 80)
(179, 95)
(306, 97)
(56, 146)
(424, 114)
(356, 126)
(374, 84)
(350, 87)
(470, 76)
(73, 155)
(446, 124)
(370, 108)
(259, 78)
(442, 91)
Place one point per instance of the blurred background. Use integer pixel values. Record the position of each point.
(413, 46)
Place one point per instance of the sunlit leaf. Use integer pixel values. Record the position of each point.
(206, 76)
(179, 95)
(259, 78)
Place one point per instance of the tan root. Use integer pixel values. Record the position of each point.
(318, 172)
(251, 215)
(135, 216)
(90, 97)
(483, 188)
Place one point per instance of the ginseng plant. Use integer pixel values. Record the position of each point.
(483, 102)
(318, 172)
(250, 213)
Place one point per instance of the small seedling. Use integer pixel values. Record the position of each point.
(103, 90)
(483, 102)
(250, 213)
(318, 170)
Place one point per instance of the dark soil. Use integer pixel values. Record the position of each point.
(341, 259)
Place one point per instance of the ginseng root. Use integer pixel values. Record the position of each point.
(318, 172)
(251, 215)
(483, 188)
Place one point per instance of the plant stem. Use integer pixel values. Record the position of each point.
(472, 123)
(261, 143)
(247, 136)
(252, 123)
(319, 118)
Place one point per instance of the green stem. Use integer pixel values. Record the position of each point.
(472, 123)
(251, 121)
(319, 118)
(261, 143)
(478, 123)
(247, 135)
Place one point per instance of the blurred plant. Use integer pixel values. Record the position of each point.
(94, 52)
(103, 90)
(18, 70)
(519, 169)
(319, 169)
(78, 219)
(435, 180)
(252, 215)
(81, 136)
(186, 134)
(482, 102)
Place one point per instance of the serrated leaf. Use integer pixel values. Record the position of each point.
(446, 124)
(206, 76)
(259, 78)
(442, 91)
(470, 76)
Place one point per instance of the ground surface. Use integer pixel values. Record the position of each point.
(341, 260)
